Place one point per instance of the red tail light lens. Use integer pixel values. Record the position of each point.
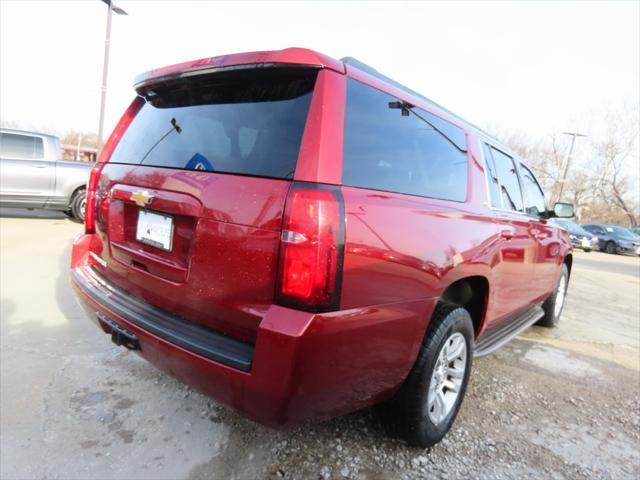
(312, 248)
(90, 208)
(105, 155)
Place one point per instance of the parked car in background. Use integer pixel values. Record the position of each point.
(580, 238)
(300, 237)
(32, 175)
(615, 239)
(635, 231)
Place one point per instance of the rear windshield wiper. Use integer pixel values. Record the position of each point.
(174, 126)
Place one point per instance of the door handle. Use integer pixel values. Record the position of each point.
(40, 166)
(508, 234)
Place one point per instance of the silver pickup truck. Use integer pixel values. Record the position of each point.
(32, 175)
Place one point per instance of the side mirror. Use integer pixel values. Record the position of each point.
(563, 210)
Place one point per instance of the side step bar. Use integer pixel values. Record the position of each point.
(493, 339)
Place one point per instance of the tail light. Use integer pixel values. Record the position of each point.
(105, 155)
(90, 208)
(312, 248)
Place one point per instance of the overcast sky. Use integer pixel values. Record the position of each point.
(538, 67)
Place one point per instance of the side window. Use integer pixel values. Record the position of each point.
(533, 196)
(492, 177)
(23, 147)
(508, 176)
(404, 150)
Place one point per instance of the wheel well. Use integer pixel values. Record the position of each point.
(470, 293)
(75, 192)
(568, 261)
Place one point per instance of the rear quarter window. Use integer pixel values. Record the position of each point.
(416, 153)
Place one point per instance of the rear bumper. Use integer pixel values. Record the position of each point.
(303, 366)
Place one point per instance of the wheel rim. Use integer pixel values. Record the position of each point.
(610, 248)
(83, 205)
(562, 290)
(447, 377)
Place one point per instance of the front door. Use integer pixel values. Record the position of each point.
(547, 244)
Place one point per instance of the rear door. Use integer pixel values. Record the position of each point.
(26, 177)
(190, 204)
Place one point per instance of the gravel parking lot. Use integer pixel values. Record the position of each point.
(561, 403)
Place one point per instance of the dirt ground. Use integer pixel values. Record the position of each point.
(562, 403)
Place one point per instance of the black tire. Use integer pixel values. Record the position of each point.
(550, 318)
(611, 248)
(407, 413)
(78, 204)
(69, 213)
(587, 250)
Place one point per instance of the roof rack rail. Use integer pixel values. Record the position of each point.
(354, 62)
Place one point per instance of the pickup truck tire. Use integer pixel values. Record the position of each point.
(554, 304)
(78, 204)
(437, 382)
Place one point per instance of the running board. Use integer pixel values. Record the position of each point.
(493, 339)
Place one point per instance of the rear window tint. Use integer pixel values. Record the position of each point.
(24, 147)
(410, 151)
(248, 122)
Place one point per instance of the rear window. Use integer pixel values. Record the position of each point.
(23, 147)
(397, 148)
(245, 122)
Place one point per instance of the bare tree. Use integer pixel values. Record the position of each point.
(618, 156)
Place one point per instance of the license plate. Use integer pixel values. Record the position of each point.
(155, 229)
(586, 243)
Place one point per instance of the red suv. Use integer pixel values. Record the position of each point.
(300, 237)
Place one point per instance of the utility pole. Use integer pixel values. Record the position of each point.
(566, 166)
(105, 66)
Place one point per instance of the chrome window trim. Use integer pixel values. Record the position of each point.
(513, 157)
(544, 197)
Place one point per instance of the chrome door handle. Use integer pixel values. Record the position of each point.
(40, 166)
(508, 234)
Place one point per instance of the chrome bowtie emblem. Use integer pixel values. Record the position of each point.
(141, 197)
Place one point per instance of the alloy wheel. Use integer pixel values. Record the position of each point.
(447, 377)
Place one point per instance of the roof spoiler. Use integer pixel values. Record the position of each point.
(290, 56)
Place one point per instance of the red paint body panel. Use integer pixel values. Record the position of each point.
(400, 254)
(294, 351)
(221, 270)
(320, 157)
